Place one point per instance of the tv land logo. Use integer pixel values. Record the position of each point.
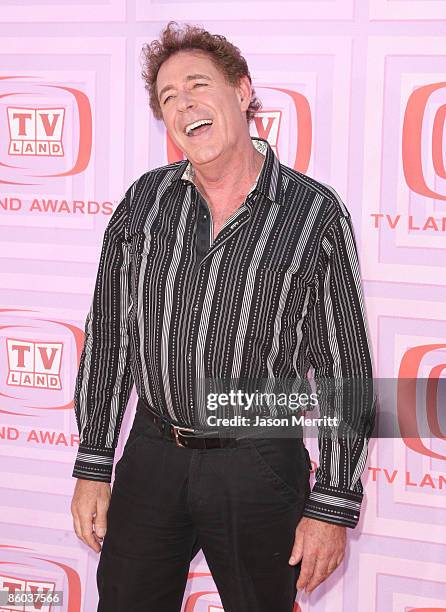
(26, 571)
(416, 147)
(408, 399)
(22, 588)
(427, 609)
(42, 140)
(267, 126)
(36, 131)
(284, 121)
(34, 364)
(38, 358)
(204, 596)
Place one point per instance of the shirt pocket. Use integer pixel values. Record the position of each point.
(286, 290)
(277, 307)
(278, 275)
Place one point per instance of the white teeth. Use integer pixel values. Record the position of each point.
(196, 124)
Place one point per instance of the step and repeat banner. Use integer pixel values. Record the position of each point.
(354, 95)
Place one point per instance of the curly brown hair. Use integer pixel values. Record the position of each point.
(225, 56)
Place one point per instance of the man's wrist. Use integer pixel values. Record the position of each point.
(333, 505)
(93, 463)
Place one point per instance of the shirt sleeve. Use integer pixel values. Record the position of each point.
(340, 352)
(104, 378)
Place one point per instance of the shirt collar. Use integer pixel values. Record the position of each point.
(269, 181)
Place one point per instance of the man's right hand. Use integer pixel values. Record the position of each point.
(89, 509)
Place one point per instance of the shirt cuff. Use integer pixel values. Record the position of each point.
(93, 463)
(333, 505)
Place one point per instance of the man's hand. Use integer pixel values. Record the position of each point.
(321, 546)
(89, 509)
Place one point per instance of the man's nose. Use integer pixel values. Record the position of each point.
(184, 101)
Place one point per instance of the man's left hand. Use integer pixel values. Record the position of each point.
(321, 547)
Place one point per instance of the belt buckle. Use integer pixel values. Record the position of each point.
(175, 433)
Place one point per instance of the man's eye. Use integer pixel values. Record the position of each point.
(195, 85)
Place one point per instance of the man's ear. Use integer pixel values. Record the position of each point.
(244, 92)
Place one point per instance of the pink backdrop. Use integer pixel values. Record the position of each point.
(354, 95)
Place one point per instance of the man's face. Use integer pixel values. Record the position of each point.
(191, 88)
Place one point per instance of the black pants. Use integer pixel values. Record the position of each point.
(240, 505)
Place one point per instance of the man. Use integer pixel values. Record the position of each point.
(226, 264)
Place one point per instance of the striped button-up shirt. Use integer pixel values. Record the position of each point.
(277, 292)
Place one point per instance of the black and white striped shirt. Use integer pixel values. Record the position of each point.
(278, 291)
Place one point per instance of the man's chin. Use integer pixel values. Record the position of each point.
(202, 155)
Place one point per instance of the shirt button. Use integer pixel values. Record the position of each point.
(195, 307)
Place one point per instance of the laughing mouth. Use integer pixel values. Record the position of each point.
(189, 129)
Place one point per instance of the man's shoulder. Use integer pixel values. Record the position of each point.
(163, 170)
(157, 175)
(331, 200)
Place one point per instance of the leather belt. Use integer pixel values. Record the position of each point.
(185, 437)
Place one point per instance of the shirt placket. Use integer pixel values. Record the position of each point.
(203, 229)
(235, 222)
(204, 249)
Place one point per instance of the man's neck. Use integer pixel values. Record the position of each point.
(233, 178)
